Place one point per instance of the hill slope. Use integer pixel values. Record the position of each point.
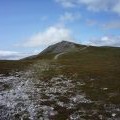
(58, 48)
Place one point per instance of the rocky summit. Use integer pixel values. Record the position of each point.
(60, 47)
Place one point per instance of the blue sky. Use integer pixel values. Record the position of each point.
(28, 26)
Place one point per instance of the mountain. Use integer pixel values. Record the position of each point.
(61, 47)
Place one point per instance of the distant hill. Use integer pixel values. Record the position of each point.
(61, 47)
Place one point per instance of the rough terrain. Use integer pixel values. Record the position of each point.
(82, 88)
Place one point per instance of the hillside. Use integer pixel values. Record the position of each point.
(58, 48)
(64, 81)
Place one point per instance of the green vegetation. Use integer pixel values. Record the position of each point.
(97, 69)
(7, 67)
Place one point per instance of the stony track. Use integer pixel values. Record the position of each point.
(25, 97)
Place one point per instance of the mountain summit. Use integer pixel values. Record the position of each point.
(60, 47)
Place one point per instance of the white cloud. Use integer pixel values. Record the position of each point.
(112, 25)
(116, 8)
(97, 5)
(67, 16)
(51, 35)
(66, 3)
(93, 5)
(106, 41)
(11, 55)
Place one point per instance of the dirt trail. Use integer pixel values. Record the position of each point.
(60, 54)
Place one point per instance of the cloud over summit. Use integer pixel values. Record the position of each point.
(52, 34)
